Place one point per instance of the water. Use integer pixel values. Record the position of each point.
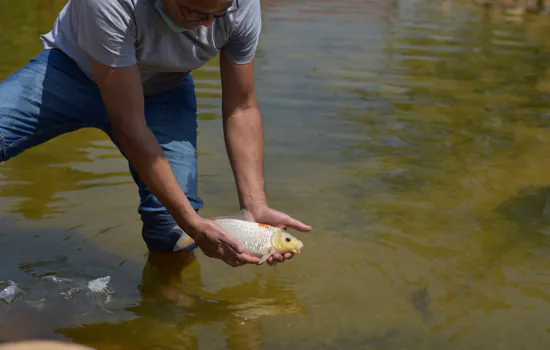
(412, 135)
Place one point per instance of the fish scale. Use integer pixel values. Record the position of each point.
(255, 237)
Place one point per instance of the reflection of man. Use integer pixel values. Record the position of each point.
(175, 307)
(123, 66)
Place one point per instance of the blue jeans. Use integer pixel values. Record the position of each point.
(50, 96)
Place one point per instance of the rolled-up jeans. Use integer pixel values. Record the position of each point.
(50, 96)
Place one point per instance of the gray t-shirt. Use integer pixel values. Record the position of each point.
(121, 33)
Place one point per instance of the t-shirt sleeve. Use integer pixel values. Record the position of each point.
(243, 41)
(106, 30)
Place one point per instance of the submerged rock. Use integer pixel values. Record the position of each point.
(53, 289)
(10, 293)
(420, 300)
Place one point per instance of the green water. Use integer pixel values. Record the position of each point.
(414, 136)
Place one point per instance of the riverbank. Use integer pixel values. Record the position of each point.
(517, 7)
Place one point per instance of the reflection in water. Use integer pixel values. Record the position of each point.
(40, 186)
(175, 305)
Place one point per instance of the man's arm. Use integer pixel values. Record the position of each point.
(244, 141)
(243, 131)
(242, 123)
(107, 32)
(122, 92)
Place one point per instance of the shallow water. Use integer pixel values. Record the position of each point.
(412, 135)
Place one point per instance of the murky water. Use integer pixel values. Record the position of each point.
(412, 135)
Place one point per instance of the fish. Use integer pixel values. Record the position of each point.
(421, 299)
(259, 239)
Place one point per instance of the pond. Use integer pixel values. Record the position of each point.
(413, 135)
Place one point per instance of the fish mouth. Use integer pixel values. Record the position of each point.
(298, 249)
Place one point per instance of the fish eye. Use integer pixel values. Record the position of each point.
(288, 239)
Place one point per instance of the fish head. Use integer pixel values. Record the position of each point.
(284, 242)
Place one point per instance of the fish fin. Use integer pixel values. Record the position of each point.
(247, 216)
(267, 255)
(264, 258)
(243, 214)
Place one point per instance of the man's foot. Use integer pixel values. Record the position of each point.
(166, 274)
(185, 242)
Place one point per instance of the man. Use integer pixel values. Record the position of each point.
(123, 66)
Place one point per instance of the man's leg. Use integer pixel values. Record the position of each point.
(47, 97)
(172, 117)
(50, 96)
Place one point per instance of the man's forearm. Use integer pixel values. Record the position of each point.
(146, 155)
(244, 140)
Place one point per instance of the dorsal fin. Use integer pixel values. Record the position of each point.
(242, 214)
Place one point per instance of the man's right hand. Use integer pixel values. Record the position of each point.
(216, 244)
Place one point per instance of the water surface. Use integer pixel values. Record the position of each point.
(412, 135)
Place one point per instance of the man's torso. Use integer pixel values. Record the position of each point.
(163, 55)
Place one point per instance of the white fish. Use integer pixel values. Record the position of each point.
(259, 239)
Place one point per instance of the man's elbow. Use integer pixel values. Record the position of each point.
(247, 112)
(242, 106)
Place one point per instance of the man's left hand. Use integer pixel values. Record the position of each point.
(277, 218)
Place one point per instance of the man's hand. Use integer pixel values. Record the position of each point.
(276, 218)
(216, 244)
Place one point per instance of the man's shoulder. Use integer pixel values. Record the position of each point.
(248, 13)
(112, 3)
(106, 7)
(248, 8)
